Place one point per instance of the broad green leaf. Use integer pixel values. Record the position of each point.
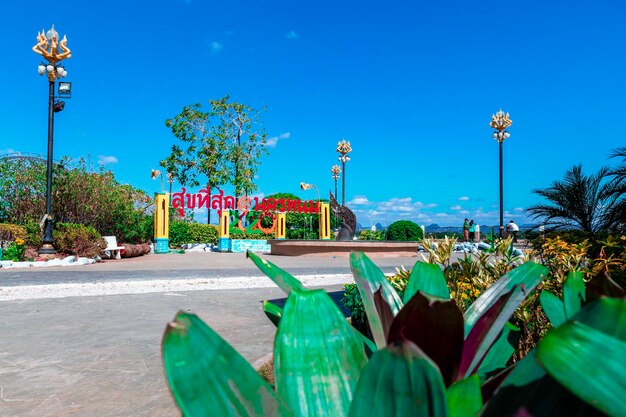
(531, 389)
(272, 311)
(427, 278)
(464, 397)
(607, 315)
(369, 279)
(587, 362)
(435, 326)
(500, 353)
(364, 267)
(317, 356)
(486, 330)
(573, 293)
(208, 377)
(553, 307)
(528, 274)
(399, 381)
(283, 279)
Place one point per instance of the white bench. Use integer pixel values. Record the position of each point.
(112, 249)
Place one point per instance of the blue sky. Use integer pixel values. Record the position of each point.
(411, 85)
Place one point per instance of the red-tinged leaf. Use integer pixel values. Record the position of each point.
(602, 285)
(436, 327)
(487, 329)
(369, 279)
(384, 311)
(529, 274)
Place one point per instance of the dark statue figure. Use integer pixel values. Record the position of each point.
(348, 219)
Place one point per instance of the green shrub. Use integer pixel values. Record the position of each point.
(179, 233)
(78, 239)
(404, 230)
(10, 232)
(14, 251)
(185, 232)
(372, 235)
(202, 233)
(33, 234)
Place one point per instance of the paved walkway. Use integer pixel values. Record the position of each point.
(82, 353)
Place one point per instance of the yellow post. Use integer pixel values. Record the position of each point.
(324, 221)
(161, 223)
(223, 241)
(281, 220)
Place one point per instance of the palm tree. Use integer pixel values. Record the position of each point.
(579, 202)
(618, 212)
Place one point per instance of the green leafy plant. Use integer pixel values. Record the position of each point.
(14, 251)
(428, 362)
(78, 239)
(404, 230)
(10, 232)
(372, 235)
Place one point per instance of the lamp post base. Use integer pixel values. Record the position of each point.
(47, 249)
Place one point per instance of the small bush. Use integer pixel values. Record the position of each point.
(404, 230)
(10, 232)
(185, 232)
(78, 239)
(33, 234)
(202, 233)
(372, 235)
(179, 233)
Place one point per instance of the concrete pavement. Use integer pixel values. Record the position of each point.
(99, 355)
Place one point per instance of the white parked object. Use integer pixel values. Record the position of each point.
(112, 248)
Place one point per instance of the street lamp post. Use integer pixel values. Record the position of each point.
(500, 122)
(344, 149)
(170, 179)
(336, 170)
(53, 51)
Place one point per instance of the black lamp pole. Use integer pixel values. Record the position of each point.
(54, 50)
(500, 122)
(47, 239)
(501, 194)
(343, 148)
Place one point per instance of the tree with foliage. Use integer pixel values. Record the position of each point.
(79, 196)
(404, 230)
(223, 145)
(578, 202)
(240, 126)
(203, 152)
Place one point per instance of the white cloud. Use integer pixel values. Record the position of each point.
(464, 198)
(107, 159)
(518, 209)
(216, 46)
(273, 141)
(8, 151)
(292, 35)
(359, 200)
(456, 207)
